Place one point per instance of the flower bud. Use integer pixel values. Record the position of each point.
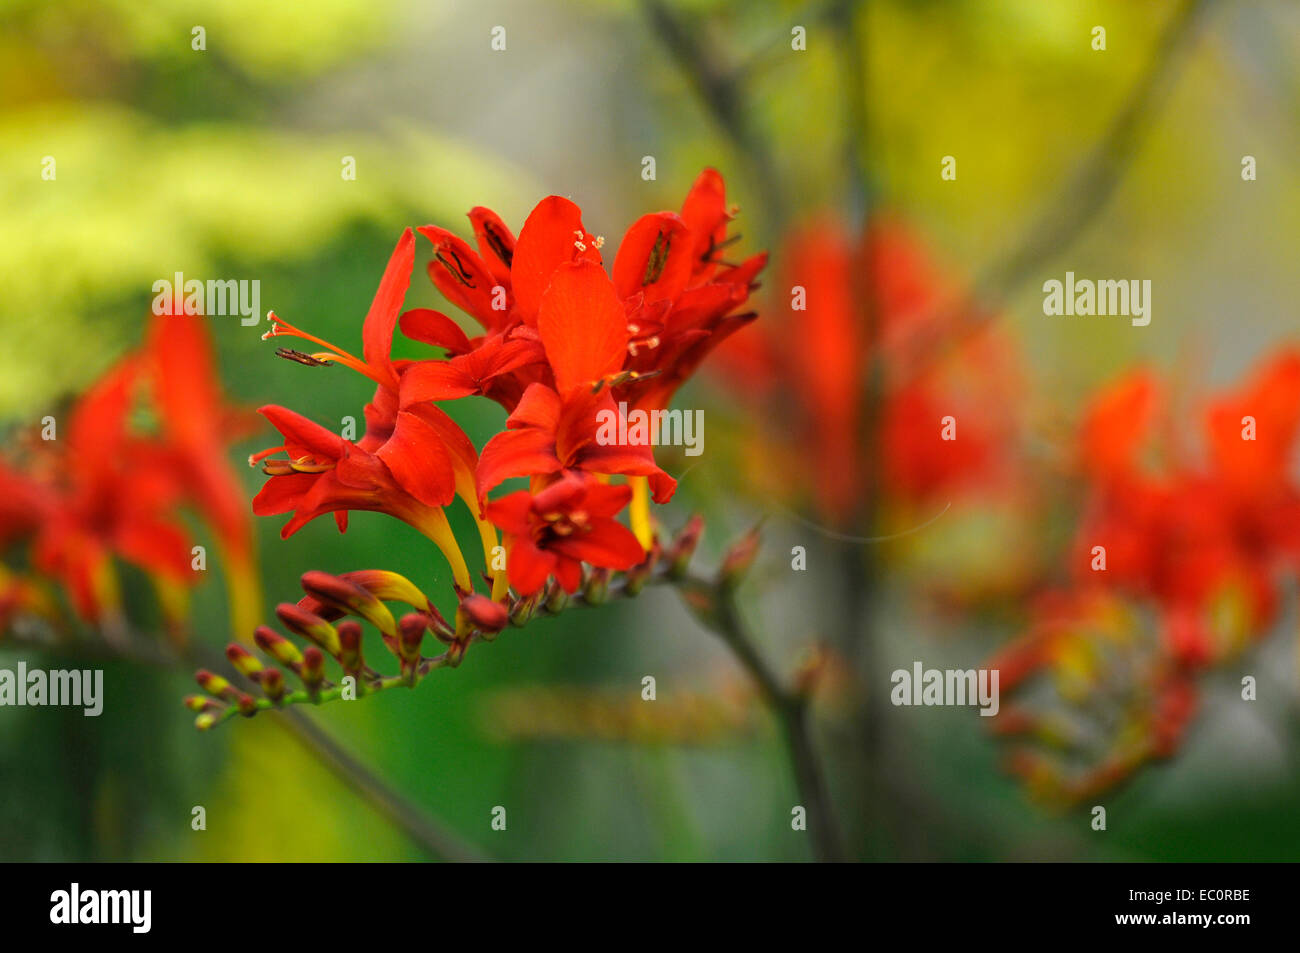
(350, 646)
(679, 553)
(309, 625)
(479, 612)
(244, 661)
(272, 682)
(596, 588)
(347, 595)
(411, 635)
(521, 613)
(212, 683)
(278, 647)
(388, 586)
(736, 563)
(556, 598)
(313, 669)
(634, 579)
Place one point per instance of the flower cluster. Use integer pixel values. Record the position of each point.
(1192, 541)
(560, 345)
(146, 442)
(877, 299)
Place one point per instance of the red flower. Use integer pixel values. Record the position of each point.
(556, 530)
(106, 489)
(679, 295)
(1204, 542)
(581, 325)
(412, 460)
(846, 298)
(198, 425)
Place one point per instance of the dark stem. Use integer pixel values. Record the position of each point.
(721, 93)
(791, 710)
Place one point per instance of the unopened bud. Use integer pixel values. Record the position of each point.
(556, 598)
(347, 595)
(521, 613)
(388, 587)
(212, 683)
(479, 612)
(272, 682)
(278, 647)
(596, 589)
(244, 661)
(683, 547)
(736, 563)
(309, 625)
(350, 646)
(313, 669)
(410, 636)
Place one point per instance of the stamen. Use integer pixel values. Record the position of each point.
(336, 354)
(255, 458)
(311, 360)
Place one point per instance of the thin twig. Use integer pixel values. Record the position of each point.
(789, 707)
(721, 94)
(436, 841)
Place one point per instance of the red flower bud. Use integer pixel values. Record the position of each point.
(350, 646)
(309, 625)
(683, 546)
(244, 661)
(736, 563)
(347, 595)
(278, 647)
(483, 614)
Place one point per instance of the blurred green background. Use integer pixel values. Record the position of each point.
(226, 162)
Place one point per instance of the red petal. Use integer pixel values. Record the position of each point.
(419, 462)
(377, 331)
(568, 573)
(547, 241)
(434, 327)
(583, 326)
(496, 243)
(515, 453)
(302, 433)
(539, 407)
(462, 276)
(435, 380)
(280, 494)
(528, 567)
(510, 513)
(705, 210)
(655, 256)
(608, 544)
